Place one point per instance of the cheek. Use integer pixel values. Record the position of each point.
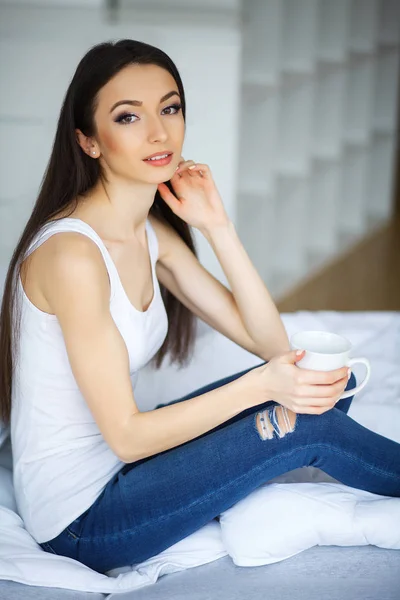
(178, 130)
(112, 142)
(121, 149)
(121, 145)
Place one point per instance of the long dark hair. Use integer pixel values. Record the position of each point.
(69, 173)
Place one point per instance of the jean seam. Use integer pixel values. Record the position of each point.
(72, 534)
(50, 548)
(254, 470)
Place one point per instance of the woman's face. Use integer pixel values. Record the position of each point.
(142, 124)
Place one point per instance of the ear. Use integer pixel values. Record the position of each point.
(87, 144)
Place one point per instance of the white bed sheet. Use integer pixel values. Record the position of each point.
(362, 518)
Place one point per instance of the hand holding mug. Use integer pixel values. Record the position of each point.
(321, 378)
(327, 351)
(302, 391)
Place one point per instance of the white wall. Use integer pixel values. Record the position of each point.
(39, 50)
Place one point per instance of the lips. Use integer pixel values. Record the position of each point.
(160, 162)
(158, 154)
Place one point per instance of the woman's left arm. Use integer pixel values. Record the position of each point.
(198, 202)
(257, 309)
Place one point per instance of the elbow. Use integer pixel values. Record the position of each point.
(129, 444)
(127, 455)
(123, 456)
(132, 457)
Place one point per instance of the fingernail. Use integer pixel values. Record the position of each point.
(192, 166)
(349, 373)
(299, 352)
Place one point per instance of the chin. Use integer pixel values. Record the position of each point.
(161, 174)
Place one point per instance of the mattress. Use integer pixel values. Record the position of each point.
(320, 573)
(331, 572)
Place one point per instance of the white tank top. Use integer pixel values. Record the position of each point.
(61, 462)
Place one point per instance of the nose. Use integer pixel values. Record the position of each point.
(157, 130)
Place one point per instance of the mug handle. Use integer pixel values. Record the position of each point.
(357, 389)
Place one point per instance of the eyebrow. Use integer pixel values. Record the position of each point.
(139, 102)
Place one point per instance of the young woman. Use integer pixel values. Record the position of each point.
(105, 278)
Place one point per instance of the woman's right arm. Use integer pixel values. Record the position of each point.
(77, 289)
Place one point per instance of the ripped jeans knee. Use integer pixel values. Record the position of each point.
(277, 420)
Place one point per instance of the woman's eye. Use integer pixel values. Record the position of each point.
(125, 118)
(122, 118)
(176, 107)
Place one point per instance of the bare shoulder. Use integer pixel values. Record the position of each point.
(72, 242)
(66, 248)
(63, 256)
(70, 248)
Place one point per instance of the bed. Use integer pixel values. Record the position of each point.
(347, 571)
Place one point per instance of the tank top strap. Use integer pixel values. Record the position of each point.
(79, 226)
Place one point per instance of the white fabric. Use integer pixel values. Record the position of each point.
(302, 515)
(311, 508)
(61, 460)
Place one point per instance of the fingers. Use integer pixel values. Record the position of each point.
(312, 393)
(318, 398)
(321, 377)
(193, 169)
(184, 166)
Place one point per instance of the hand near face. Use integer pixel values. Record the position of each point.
(196, 200)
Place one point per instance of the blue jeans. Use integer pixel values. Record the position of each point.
(152, 503)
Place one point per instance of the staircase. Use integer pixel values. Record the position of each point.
(319, 86)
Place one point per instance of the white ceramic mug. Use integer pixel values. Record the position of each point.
(327, 351)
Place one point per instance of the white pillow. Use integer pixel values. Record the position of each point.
(277, 521)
